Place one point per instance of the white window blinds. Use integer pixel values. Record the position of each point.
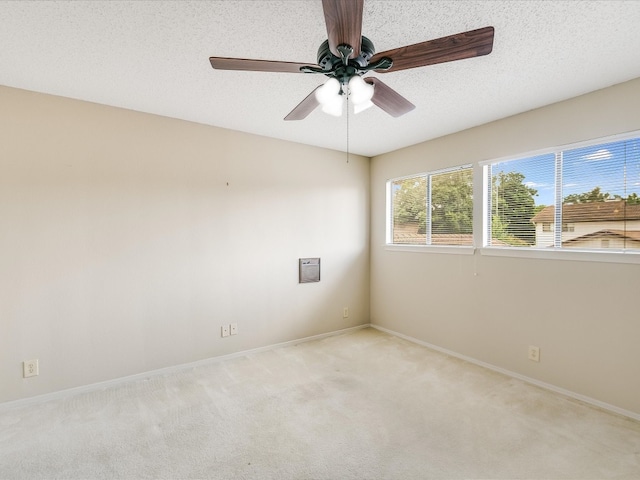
(581, 198)
(432, 208)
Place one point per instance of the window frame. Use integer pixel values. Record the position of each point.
(481, 181)
(555, 253)
(427, 247)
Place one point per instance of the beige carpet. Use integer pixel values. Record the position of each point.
(362, 405)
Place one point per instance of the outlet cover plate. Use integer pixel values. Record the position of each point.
(30, 368)
(534, 353)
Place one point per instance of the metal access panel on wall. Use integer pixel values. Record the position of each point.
(309, 270)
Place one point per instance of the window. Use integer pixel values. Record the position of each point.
(516, 189)
(432, 208)
(584, 197)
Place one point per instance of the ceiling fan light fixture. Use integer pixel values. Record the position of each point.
(361, 93)
(334, 107)
(328, 92)
(361, 107)
(330, 98)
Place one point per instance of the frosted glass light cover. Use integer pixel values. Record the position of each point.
(328, 91)
(328, 95)
(361, 91)
(361, 107)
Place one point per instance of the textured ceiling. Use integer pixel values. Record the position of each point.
(152, 56)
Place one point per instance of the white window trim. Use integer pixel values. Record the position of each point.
(480, 182)
(559, 148)
(608, 256)
(399, 247)
(555, 253)
(446, 249)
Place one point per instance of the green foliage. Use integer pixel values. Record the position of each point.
(594, 195)
(633, 199)
(538, 209)
(452, 202)
(410, 201)
(513, 207)
(499, 229)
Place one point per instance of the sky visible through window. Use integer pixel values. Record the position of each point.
(614, 167)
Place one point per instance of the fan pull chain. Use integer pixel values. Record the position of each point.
(347, 102)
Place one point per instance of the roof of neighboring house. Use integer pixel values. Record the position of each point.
(624, 234)
(407, 233)
(590, 212)
(436, 238)
(451, 239)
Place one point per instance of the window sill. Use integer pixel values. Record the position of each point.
(448, 249)
(616, 256)
(613, 256)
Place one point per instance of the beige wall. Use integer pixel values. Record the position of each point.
(128, 239)
(123, 250)
(582, 315)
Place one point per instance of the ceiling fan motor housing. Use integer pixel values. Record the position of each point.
(333, 65)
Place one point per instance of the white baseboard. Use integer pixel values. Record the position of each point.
(533, 381)
(164, 371)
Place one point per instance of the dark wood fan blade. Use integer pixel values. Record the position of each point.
(344, 24)
(473, 43)
(222, 63)
(388, 99)
(305, 107)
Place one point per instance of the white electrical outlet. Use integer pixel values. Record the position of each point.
(233, 329)
(345, 312)
(225, 330)
(30, 368)
(534, 353)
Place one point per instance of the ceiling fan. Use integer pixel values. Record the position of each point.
(346, 56)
